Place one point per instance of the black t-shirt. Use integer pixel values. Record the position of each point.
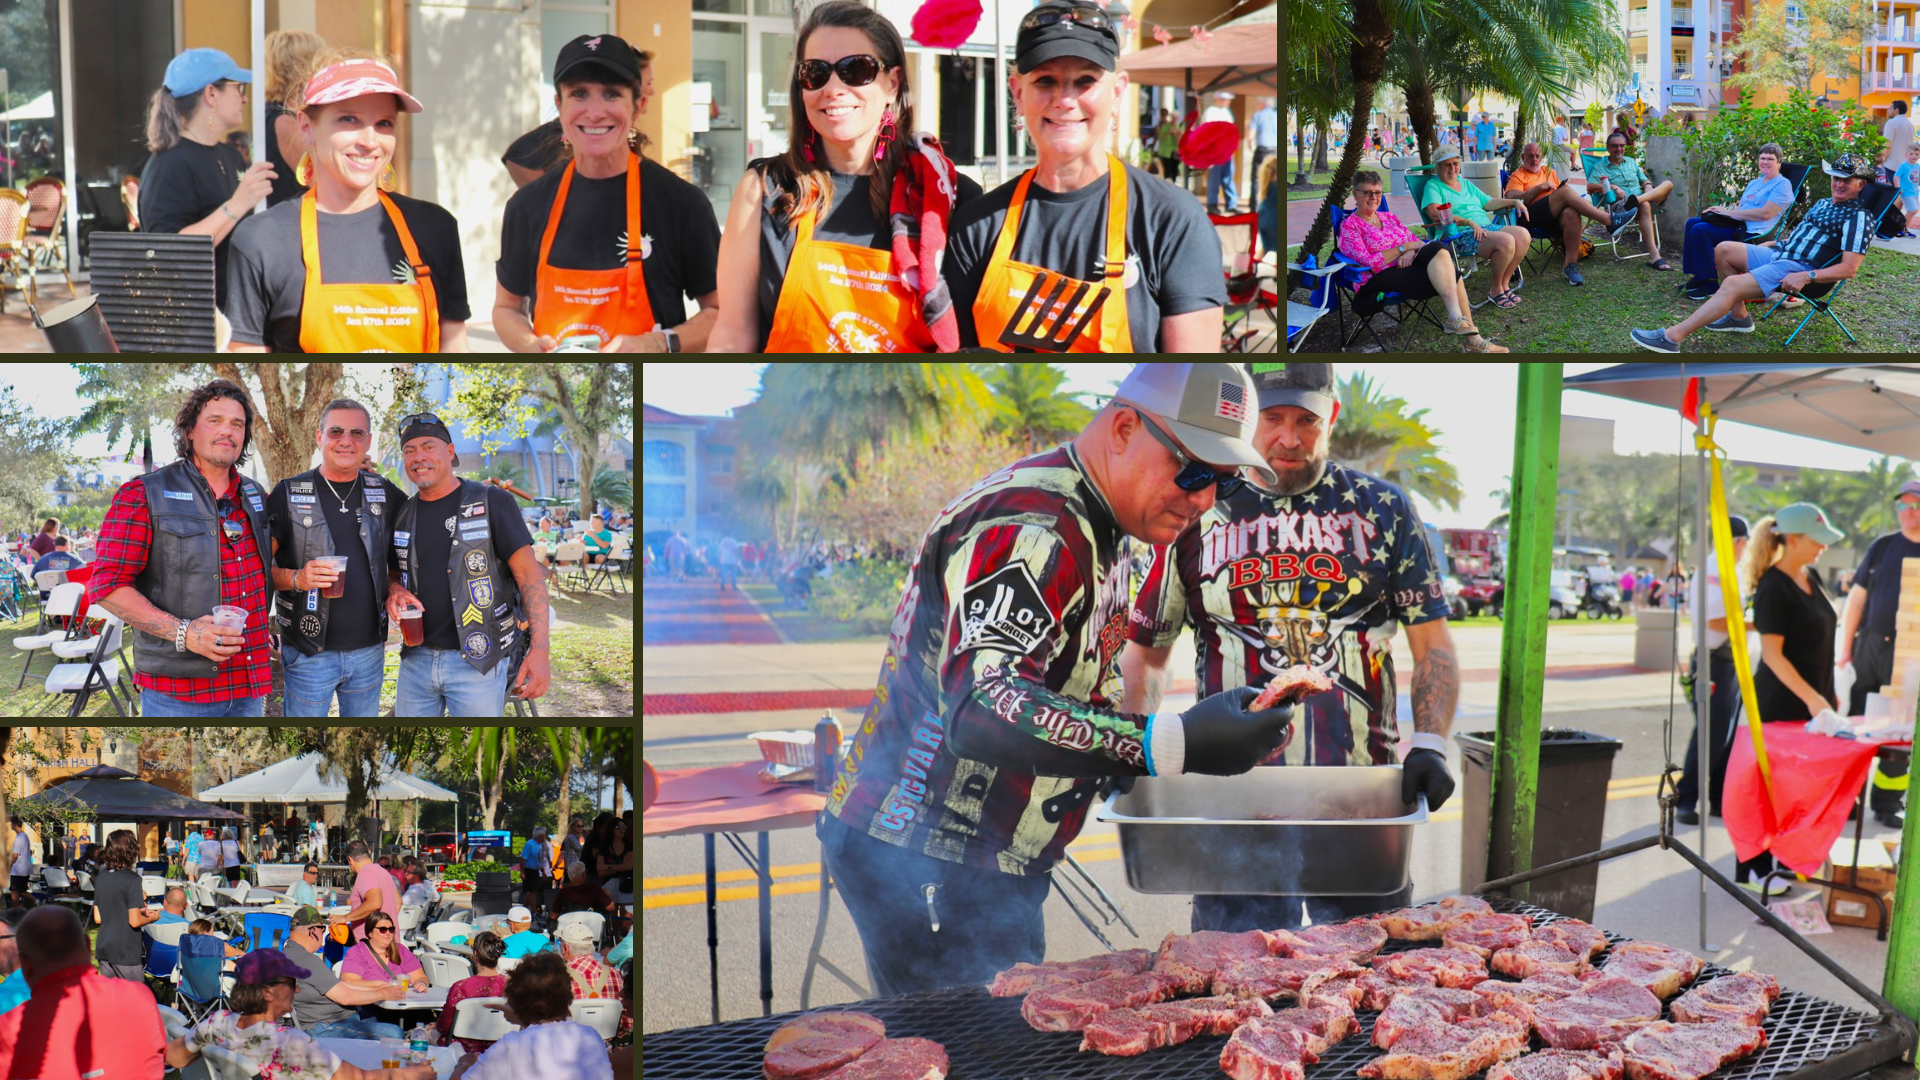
(353, 620)
(285, 187)
(679, 238)
(181, 186)
(113, 893)
(1806, 621)
(1879, 574)
(539, 149)
(1169, 239)
(433, 525)
(850, 220)
(267, 274)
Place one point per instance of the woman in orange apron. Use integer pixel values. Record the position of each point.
(812, 259)
(286, 299)
(580, 244)
(1130, 261)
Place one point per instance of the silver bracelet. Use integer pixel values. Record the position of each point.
(229, 213)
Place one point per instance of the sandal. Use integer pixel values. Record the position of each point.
(1478, 344)
(1504, 300)
(1660, 264)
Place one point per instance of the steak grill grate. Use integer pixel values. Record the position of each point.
(986, 1039)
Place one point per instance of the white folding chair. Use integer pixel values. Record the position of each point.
(408, 925)
(444, 969)
(481, 1018)
(153, 885)
(570, 556)
(84, 881)
(438, 934)
(100, 671)
(55, 879)
(506, 964)
(600, 1014)
(337, 965)
(205, 900)
(63, 599)
(593, 919)
(83, 645)
(462, 915)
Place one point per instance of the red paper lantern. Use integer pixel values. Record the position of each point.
(946, 24)
(1209, 144)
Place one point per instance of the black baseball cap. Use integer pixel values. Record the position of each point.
(1737, 526)
(612, 53)
(1309, 386)
(1038, 44)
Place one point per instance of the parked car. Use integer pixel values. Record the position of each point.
(438, 847)
(1478, 594)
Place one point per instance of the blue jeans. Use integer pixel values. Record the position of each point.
(155, 703)
(1697, 254)
(1217, 176)
(439, 682)
(312, 681)
(357, 1028)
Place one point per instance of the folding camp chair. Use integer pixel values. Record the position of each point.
(163, 954)
(1820, 295)
(1611, 241)
(1417, 180)
(200, 992)
(1405, 312)
(265, 929)
(1301, 317)
(1547, 233)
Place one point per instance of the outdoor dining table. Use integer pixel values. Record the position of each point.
(433, 997)
(727, 800)
(366, 1054)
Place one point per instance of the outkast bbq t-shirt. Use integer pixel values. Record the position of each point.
(1317, 579)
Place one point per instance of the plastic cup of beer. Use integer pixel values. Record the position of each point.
(413, 625)
(392, 1053)
(338, 587)
(233, 618)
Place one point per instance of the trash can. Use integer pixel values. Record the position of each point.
(1483, 174)
(1397, 166)
(1569, 814)
(1653, 631)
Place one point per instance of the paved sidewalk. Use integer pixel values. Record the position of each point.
(697, 613)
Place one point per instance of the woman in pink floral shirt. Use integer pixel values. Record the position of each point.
(1397, 262)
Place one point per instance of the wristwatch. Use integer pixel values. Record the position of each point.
(673, 339)
(180, 637)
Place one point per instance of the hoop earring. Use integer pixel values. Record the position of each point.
(887, 133)
(303, 171)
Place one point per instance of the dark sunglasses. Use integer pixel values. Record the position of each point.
(1193, 475)
(1898, 505)
(1088, 16)
(853, 70)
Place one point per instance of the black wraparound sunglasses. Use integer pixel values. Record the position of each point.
(1193, 475)
(857, 70)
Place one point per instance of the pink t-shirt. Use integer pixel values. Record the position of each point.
(374, 876)
(1364, 243)
(361, 961)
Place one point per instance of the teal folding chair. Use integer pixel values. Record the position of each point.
(1418, 178)
(1611, 241)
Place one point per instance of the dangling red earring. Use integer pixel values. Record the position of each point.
(806, 148)
(887, 132)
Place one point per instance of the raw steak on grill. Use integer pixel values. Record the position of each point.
(1607, 1009)
(1535, 990)
(1530, 958)
(1193, 958)
(1450, 1051)
(1358, 940)
(1339, 985)
(1074, 1005)
(1428, 921)
(1291, 684)
(1419, 1008)
(1662, 969)
(1126, 1032)
(1378, 989)
(1458, 968)
(897, 1059)
(1025, 978)
(1664, 1051)
(1562, 1065)
(1744, 997)
(816, 1044)
(1276, 976)
(1484, 934)
(1282, 1044)
(1574, 936)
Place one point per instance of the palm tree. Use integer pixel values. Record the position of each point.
(1030, 407)
(488, 750)
(1380, 435)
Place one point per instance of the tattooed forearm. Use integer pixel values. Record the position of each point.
(1436, 691)
(138, 612)
(533, 603)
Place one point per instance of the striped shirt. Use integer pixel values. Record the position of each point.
(1314, 579)
(995, 721)
(1829, 229)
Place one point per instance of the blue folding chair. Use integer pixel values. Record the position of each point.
(1878, 199)
(265, 929)
(1301, 317)
(200, 992)
(1405, 313)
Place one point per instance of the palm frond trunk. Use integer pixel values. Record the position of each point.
(1373, 34)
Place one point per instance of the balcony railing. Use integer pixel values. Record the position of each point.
(1896, 33)
(1681, 17)
(1682, 72)
(1883, 80)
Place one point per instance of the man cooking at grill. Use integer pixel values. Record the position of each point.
(1316, 572)
(994, 723)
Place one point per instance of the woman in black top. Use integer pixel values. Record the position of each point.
(292, 56)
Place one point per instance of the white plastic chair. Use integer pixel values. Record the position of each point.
(600, 1014)
(481, 1018)
(462, 915)
(593, 919)
(153, 885)
(337, 965)
(438, 934)
(84, 880)
(99, 670)
(205, 900)
(506, 964)
(443, 969)
(55, 879)
(408, 925)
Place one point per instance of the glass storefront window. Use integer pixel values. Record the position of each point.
(776, 84)
(559, 24)
(720, 72)
(720, 7)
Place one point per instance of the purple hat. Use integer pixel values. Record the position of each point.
(1911, 487)
(265, 965)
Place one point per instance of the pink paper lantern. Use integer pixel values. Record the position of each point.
(946, 24)
(1209, 144)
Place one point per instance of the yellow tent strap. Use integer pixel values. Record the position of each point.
(1717, 518)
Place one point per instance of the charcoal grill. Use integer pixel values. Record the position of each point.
(1808, 1038)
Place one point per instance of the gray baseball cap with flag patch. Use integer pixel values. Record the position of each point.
(1211, 409)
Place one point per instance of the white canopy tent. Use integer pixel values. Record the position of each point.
(305, 780)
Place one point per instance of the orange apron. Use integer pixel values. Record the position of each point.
(402, 318)
(844, 298)
(604, 303)
(1006, 282)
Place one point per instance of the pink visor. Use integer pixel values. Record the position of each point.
(355, 78)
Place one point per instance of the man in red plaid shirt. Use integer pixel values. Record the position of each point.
(180, 541)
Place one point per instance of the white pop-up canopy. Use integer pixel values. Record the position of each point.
(302, 780)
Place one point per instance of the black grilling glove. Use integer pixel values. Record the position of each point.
(1425, 770)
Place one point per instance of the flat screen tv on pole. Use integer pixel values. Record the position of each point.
(488, 838)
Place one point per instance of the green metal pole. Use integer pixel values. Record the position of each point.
(1902, 985)
(1523, 639)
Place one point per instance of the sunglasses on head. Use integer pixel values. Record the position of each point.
(1088, 16)
(858, 70)
(1193, 475)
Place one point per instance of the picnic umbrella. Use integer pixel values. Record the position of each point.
(118, 795)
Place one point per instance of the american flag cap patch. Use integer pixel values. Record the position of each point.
(1232, 402)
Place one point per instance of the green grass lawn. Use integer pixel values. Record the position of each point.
(1554, 317)
(591, 664)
